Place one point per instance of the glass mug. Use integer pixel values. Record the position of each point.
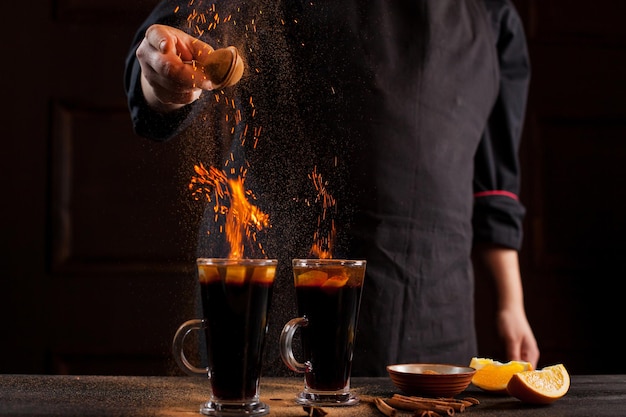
(236, 296)
(328, 295)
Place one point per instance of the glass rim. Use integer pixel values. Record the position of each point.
(234, 261)
(331, 261)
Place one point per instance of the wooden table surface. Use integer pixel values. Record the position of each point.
(121, 396)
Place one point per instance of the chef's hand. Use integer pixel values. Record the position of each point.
(519, 340)
(168, 80)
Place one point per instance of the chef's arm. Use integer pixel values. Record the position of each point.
(157, 103)
(501, 264)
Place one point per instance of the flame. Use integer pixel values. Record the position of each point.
(241, 217)
(231, 199)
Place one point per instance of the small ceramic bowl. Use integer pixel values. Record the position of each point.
(431, 379)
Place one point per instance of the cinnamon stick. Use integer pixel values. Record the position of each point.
(472, 400)
(423, 406)
(406, 403)
(463, 401)
(443, 404)
(457, 405)
(384, 408)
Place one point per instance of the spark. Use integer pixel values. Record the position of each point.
(323, 244)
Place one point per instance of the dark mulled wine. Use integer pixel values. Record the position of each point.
(235, 301)
(328, 297)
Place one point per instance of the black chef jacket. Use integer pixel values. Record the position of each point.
(411, 111)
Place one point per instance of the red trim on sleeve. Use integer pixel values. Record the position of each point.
(496, 192)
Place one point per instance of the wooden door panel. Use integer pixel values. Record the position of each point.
(116, 199)
(122, 227)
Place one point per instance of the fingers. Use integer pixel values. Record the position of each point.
(199, 51)
(523, 348)
(167, 94)
(519, 341)
(170, 40)
(530, 352)
(160, 38)
(162, 55)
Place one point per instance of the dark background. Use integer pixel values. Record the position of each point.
(97, 232)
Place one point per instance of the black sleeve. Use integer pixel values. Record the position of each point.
(498, 213)
(147, 122)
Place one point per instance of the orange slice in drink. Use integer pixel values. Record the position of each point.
(235, 274)
(264, 274)
(336, 281)
(542, 386)
(313, 278)
(208, 274)
(493, 376)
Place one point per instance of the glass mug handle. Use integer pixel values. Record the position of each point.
(179, 351)
(286, 342)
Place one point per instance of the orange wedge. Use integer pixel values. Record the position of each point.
(493, 376)
(542, 386)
